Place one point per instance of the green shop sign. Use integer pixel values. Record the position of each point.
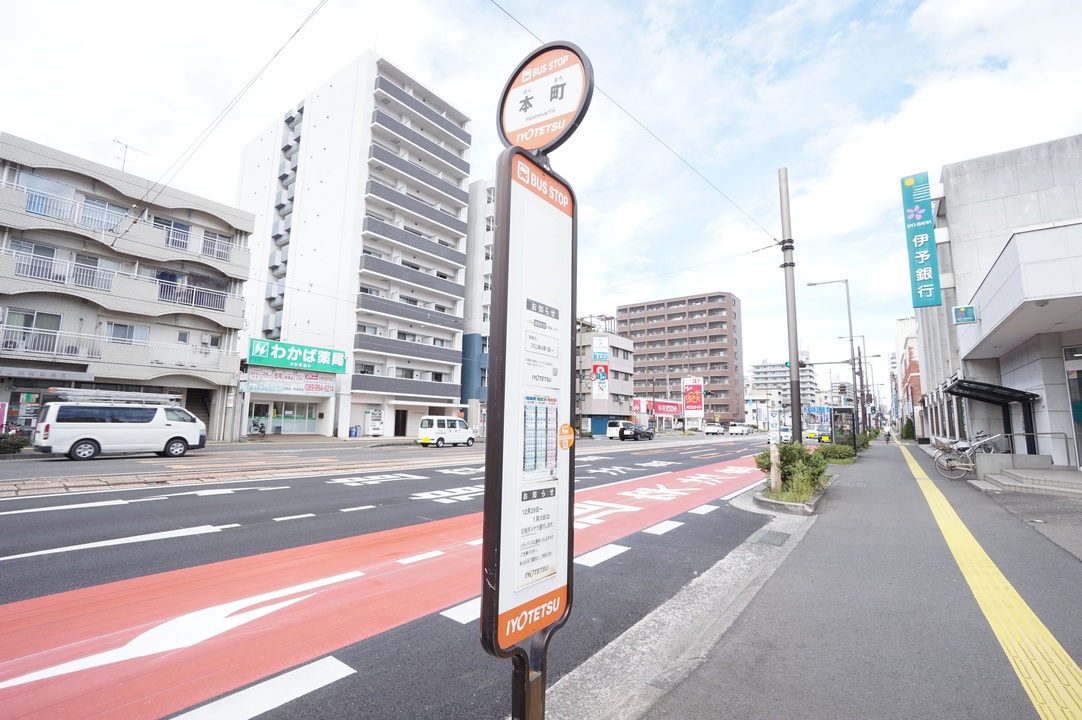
(301, 357)
(920, 240)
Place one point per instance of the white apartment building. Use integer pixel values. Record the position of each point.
(360, 203)
(482, 236)
(767, 376)
(110, 281)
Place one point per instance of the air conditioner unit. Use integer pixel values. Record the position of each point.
(205, 338)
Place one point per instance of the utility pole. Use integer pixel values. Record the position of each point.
(790, 307)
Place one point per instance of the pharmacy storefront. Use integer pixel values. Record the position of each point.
(291, 388)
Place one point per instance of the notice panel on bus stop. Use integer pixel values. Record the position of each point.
(529, 462)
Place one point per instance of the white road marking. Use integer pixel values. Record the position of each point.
(270, 694)
(478, 541)
(189, 629)
(168, 534)
(663, 527)
(596, 557)
(419, 558)
(109, 503)
(293, 517)
(359, 507)
(703, 509)
(79, 506)
(467, 612)
(742, 490)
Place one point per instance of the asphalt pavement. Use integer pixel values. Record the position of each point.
(905, 596)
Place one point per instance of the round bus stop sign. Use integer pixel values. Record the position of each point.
(546, 98)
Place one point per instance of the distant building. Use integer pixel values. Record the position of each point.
(478, 301)
(110, 281)
(907, 387)
(1008, 232)
(360, 199)
(776, 377)
(598, 399)
(693, 335)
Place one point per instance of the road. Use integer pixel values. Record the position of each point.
(330, 594)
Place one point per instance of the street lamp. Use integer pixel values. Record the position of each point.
(849, 313)
(865, 366)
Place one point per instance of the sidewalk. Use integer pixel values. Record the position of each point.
(863, 611)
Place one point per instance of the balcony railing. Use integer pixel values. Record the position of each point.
(96, 218)
(63, 272)
(75, 346)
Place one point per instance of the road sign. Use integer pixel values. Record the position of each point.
(546, 98)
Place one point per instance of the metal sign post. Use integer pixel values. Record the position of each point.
(528, 543)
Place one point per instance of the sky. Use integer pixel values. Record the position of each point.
(697, 106)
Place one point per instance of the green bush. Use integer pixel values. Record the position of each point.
(801, 469)
(12, 444)
(908, 432)
(835, 452)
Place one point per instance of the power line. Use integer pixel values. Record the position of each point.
(652, 134)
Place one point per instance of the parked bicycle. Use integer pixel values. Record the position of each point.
(258, 428)
(956, 462)
(981, 439)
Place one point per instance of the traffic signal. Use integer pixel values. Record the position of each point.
(800, 363)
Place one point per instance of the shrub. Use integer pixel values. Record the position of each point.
(12, 444)
(908, 432)
(799, 466)
(835, 452)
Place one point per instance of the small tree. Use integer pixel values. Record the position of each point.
(798, 464)
(908, 432)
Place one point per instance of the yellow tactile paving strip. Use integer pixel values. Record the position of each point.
(1050, 677)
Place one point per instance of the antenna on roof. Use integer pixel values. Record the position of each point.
(124, 159)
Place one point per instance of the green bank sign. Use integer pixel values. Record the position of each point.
(302, 357)
(920, 240)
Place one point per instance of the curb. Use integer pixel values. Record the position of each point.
(804, 508)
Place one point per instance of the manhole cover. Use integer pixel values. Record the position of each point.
(769, 537)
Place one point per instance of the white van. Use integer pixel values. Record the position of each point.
(612, 431)
(81, 430)
(440, 430)
(740, 429)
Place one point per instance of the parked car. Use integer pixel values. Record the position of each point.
(439, 430)
(740, 429)
(786, 434)
(712, 429)
(615, 429)
(636, 432)
(82, 430)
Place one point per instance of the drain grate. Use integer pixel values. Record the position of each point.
(769, 537)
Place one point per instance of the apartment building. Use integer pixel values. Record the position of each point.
(481, 239)
(605, 395)
(360, 203)
(768, 376)
(693, 335)
(110, 281)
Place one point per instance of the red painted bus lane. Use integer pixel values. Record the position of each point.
(155, 645)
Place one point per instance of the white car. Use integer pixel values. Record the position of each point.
(712, 429)
(740, 429)
(786, 434)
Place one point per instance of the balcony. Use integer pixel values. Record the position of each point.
(417, 278)
(449, 190)
(401, 386)
(413, 313)
(118, 291)
(415, 207)
(381, 229)
(62, 346)
(125, 233)
(384, 346)
(450, 160)
(386, 87)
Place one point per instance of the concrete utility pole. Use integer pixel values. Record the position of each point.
(790, 308)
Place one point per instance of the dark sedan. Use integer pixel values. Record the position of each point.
(639, 432)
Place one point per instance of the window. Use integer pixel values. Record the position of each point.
(101, 214)
(490, 224)
(183, 337)
(484, 377)
(404, 373)
(369, 291)
(31, 330)
(366, 369)
(443, 276)
(367, 329)
(35, 261)
(371, 253)
(408, 300)
(408, 337)
(176, 233)
(484, 343)
(437, 377)
(439, 342)
(178, 415)
(411, 266)
(215, 341)
(127, 334)
(441, 308)
(216, 245)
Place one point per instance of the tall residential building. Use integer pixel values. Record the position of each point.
(110, 281)
(775, 376)
(597, 399)
(359, 194)
(694, 335)
(480, 242)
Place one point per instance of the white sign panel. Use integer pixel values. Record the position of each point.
(284, 381)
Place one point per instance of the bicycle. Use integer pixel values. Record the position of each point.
(258, 428)
(984, 443)
(956, 462)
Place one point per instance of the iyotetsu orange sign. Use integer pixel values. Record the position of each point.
(545, 99)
